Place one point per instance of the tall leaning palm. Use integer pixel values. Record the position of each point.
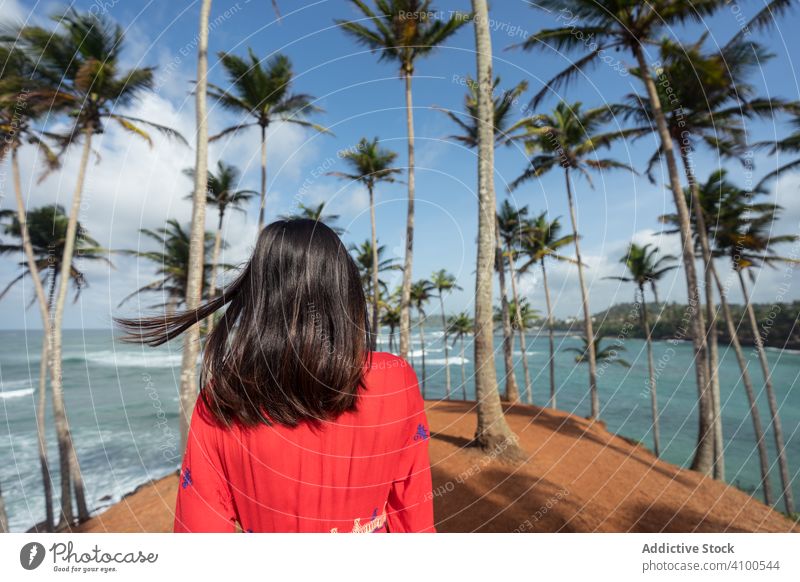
(569, 138)
(82, 60)
(195, 276)
(543, 240)
(16, 129)
(43, 230)
(443, 282)
(504, 130)
(403, 31)
(371, 164)
(644, 269)
(222, 193)
(707, 97)
(262, 95)
(744, 233)
(492, 430)
(710, 193)
(632, 25)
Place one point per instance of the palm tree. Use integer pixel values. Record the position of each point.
(569, 138)
(708, 100)
(222, 194)
(511, 224)
(744, 234)
(524, 314)
(364, 256)
(390, 317)
(542, 240)
(402, 31)
(172, 256)
(16, 129)
(196, 276)
(263, 95)
(492, 430)
(631, 25)
(421, 293)
(43, 230)
(645, 269)
(606, 355)
(442, 282)
(502, 108)
(47, 231)
(504, 130)
(460, 326)
(710, 194)
(81, 58)
(370, 165)
(317, 214)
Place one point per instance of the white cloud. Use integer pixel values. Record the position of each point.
(11, 12)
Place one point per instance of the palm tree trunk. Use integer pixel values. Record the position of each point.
(263, 199)
(212, 288)
(492, 430)
(42, 301)
(713, 372)
(463, 370)
(777, 428)
(3, 514)
(422, 347)
(587, 314)
(651, 370)
(523, 346)
(552, 362)
(761, 443)
(512, 390)
(66, 449)
(446, 354)
(42, 437)
(375, 312)
(194, 277)
(704, 454)
(405, 294)
(711, 315)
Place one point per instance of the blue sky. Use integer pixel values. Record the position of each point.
(133, 186)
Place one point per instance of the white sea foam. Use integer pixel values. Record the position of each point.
(123, 359)
(7, 394)
(453, 360)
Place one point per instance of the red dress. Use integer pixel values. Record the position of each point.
(367, 471)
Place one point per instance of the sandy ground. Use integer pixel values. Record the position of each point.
(578, 478)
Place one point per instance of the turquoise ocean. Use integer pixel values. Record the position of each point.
(122, 402)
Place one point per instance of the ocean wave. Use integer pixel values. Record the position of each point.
(454, 360)
(782, 350)
(6, 394)
(10, 384)
(123, 359)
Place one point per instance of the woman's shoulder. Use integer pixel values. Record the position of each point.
(387, 361)
(390, 371)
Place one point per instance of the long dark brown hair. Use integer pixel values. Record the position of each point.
(294, 341)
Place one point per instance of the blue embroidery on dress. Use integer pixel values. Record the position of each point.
(422, 433)
(186, 478)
